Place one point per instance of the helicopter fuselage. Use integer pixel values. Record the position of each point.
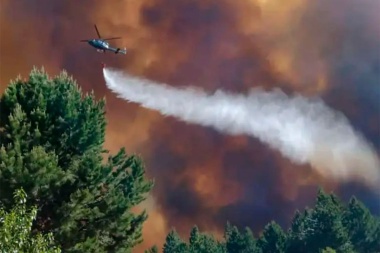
(99, 44)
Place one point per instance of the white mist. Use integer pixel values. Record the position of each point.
(303, 130)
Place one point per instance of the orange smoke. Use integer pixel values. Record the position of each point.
(313, 47)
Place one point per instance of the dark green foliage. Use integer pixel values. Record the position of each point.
(330, 227)
(198, 243)
(154, 249)
(237, 242)
(326, 225)
(273, 239)
(203, 243)
(299, 232)
(364, 229)
(194, 236)
(52, 145)
(52, 113)
(174, 244)
(319, 228)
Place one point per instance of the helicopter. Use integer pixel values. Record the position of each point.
(102, 45)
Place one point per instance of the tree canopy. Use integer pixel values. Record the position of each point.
(329, 227)
(52, 137)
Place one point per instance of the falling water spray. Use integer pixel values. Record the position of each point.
(303, 130)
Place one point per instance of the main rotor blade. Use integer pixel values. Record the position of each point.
(113, 38)
(97, 32)
(84, 40)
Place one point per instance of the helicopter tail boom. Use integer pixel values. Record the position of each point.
(121, 51)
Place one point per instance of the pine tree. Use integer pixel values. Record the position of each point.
(273, 239)
(324, 225)
(174, 244)
(237, 242)
(204, 243)
(52, 138)
(194, 236)
(154, 249)
(299, 232)
(15, 230)
(364, 229)
(250, 242)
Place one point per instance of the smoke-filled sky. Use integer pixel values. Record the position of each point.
(325, 48)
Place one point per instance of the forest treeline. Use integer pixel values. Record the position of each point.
(58, 192)
(331, 226)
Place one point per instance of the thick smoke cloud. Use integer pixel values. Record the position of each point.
(327, 48)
